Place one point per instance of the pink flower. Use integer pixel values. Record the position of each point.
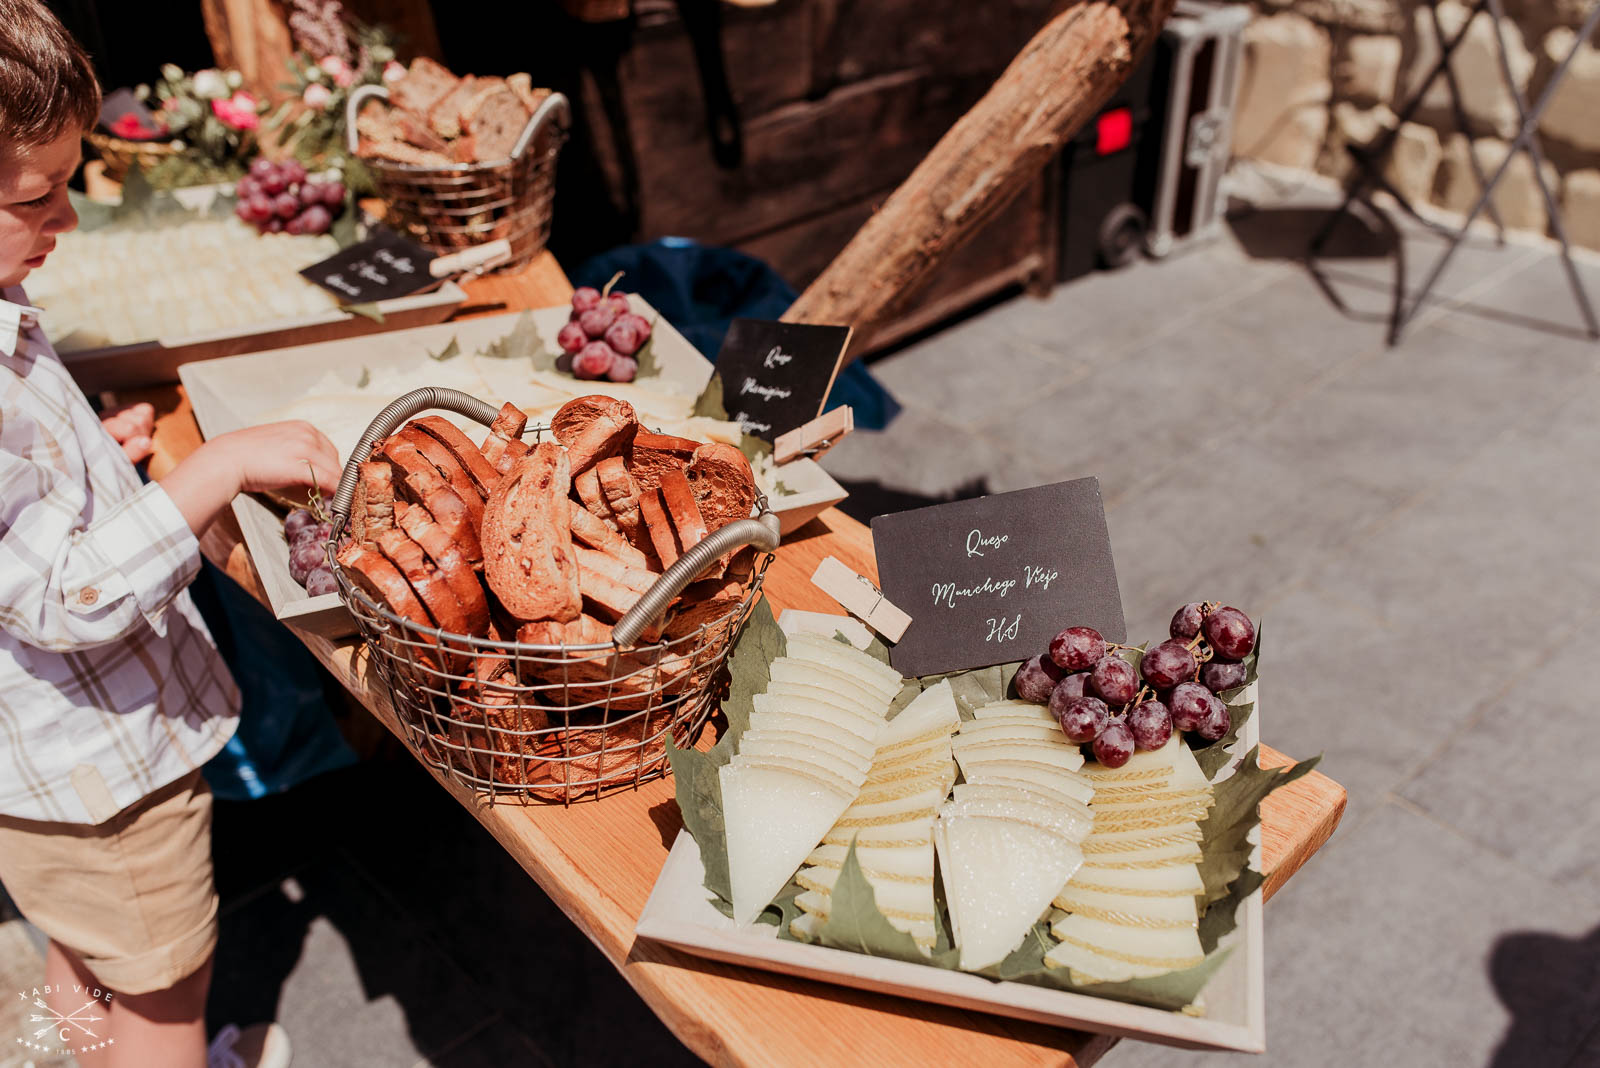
(237, 111)
(393, 71)
(128, 126)
(317, 96)
(338, 70)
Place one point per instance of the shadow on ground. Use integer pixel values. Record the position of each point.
(1547, 983)
(380, 923)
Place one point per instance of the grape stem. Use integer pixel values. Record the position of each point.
(606, 292)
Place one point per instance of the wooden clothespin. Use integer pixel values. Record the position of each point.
(861, 597)
(478, 258)
(816, 437)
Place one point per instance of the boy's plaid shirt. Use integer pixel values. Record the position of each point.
(110, 684)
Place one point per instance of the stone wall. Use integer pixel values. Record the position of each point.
(1322, 74)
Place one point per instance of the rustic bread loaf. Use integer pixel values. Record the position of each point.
(723, 484)
(452, 566)
(468, 455)
(650, 454)
(528, 553)
(425, 84)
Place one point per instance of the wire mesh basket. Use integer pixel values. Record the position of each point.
(550, 722)
(454, 206)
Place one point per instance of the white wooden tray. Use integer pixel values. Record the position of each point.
(680, 914)
(240, 391)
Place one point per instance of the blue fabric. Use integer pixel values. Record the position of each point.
(286, 734)
(700, 289)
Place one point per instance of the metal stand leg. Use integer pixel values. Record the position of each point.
(1527, 140)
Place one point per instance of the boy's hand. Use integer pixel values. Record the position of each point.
(274, 456)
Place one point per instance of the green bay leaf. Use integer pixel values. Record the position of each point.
(854, 922)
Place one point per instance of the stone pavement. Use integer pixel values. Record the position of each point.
(1416, 525)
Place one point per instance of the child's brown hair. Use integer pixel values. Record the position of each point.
(47, 85)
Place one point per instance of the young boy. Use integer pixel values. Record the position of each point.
(112, 693)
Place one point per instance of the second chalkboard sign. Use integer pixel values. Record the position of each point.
(777, 376)
(382, 267)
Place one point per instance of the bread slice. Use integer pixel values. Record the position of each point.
(445, 114)
(636, 579)
(659, 526)
(585, 630)
(710, 601)
(449, 469)
(373, 574)
(468, 455)
(504, 445)
(595, 534)
(528, 553)
(447, 559)
(425, 84)
(430, 587)
(422, 484)
(723, 484)
(414, 130)
(651, 454)
(606, 435)
(621, 495)
(522, 85)
(495, 121)
(578, 414)
(587, 486)
(679, 500)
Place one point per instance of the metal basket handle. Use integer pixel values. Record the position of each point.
(554, 108)
(761, 531)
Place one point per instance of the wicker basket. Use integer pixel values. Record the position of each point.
(557, 723)
(121, 155)
(455, 206)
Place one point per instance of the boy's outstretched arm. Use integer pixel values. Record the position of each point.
(66, 584)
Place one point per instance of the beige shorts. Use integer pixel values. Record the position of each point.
(133, 897)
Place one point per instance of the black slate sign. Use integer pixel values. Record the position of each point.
(382, 267)
(776, 376)
(992, 580)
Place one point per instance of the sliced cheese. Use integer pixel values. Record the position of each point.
(854, 752)
(906, 832)
(1161, 948)
(976, 731)
(823, 775)
(896, 898)
(1046, 817)
(772, 819)
(845, 717)
(1060, 780)
(803, 673)
(914, 860)
(817, 726)
(846, 658)
(1038, 796)
(1128, 909)
(999, 877)
(932, 712)
(1176, 880)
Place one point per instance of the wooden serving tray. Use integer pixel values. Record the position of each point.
(680, 914)
(240, 391)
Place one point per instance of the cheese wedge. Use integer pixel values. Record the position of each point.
(894, 860)
(1181, 879)
(1044, 816)
(803, 700)
(1059, 780)
(999, 877)
(900, 897)
(800, 672)
(933, 712)
(818, 750)
(817, 726)
(1128, 909)
(1140, 951)
(771, 820)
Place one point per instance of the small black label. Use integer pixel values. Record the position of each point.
(382, 267)
(992, 580)
(777, 376)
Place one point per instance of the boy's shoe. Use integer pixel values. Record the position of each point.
(262, 1045)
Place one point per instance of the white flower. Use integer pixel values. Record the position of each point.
(317, 96)
(393, 72)
(209, 84)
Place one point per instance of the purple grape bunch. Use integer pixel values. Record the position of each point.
(1102, 700)
(280, 197)
(308, 560)
(603, 336)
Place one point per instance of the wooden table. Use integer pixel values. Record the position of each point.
(599, 860)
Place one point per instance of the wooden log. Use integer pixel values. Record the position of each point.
(1060, 80)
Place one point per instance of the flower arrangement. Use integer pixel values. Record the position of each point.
(208, 112)
(335, 55)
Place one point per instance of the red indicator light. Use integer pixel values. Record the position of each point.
(1113, 131)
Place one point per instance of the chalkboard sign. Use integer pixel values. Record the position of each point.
(776, 376)
(382, 267)
(992, 580)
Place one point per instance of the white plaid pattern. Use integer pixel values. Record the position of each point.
(104, 661)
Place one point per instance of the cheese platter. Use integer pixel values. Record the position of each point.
(946, 839)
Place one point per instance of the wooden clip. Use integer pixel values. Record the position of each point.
(816, 437)
(861, 598)
(478, 258)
